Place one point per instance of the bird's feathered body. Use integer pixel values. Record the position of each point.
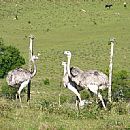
(17, 76)
(20, 78)
(90, 77)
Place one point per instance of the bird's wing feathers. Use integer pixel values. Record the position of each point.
(94, 77)
(17, 76)
(89, 77)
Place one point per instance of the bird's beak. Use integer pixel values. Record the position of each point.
(38, 54)
(112, 40)
(64, 52)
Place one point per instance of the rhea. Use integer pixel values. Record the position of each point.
(70, 84)
(20, 78)
(93, 80)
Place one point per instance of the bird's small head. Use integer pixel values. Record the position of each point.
(112, 40)
(31, 36)
(34, 58)
(64, 63)
(68, 53)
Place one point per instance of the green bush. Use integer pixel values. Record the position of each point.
(9, 58)
(120, 86)
(120, 107)
(8, 92)
(46, 81)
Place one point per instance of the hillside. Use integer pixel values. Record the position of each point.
(84, 28)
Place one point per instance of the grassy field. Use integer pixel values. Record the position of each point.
(60, 25)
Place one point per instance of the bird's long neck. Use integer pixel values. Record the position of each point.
(68, 66)
(30, 53)
(31, 47)
(65, 69)
(34, 70)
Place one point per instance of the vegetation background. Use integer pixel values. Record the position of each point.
(82, 26)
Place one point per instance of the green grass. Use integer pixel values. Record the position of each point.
(57, 27)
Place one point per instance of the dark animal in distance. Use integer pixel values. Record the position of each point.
(108, 6)
(125, 4)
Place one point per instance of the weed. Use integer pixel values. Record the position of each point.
(46, 81)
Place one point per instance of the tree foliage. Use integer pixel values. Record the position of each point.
(9, 58)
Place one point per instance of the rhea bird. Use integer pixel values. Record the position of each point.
(68, 83)
(93, 80)
(20, 78)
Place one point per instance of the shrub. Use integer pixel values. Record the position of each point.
(120, 86)
(8, 92)
(46, 81)
(10, 58)
(120, 107)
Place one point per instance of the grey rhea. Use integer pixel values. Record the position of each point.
(93, 80)
(68, 83)
(20, 78)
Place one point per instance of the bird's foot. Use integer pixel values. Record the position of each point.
(84, 102)
(81, 103)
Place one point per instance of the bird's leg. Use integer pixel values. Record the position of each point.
(73, 89)
(28, 91)
(100, 97)
(96, 94)
(16, 96)
(94, 89)
(77, 100)
(91, 94)
(78, 105)
(19, 97)
(59, 100)
(97, 99)
(22, 86)
(28, 94)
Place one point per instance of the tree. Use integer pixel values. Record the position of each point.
(10, 58)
